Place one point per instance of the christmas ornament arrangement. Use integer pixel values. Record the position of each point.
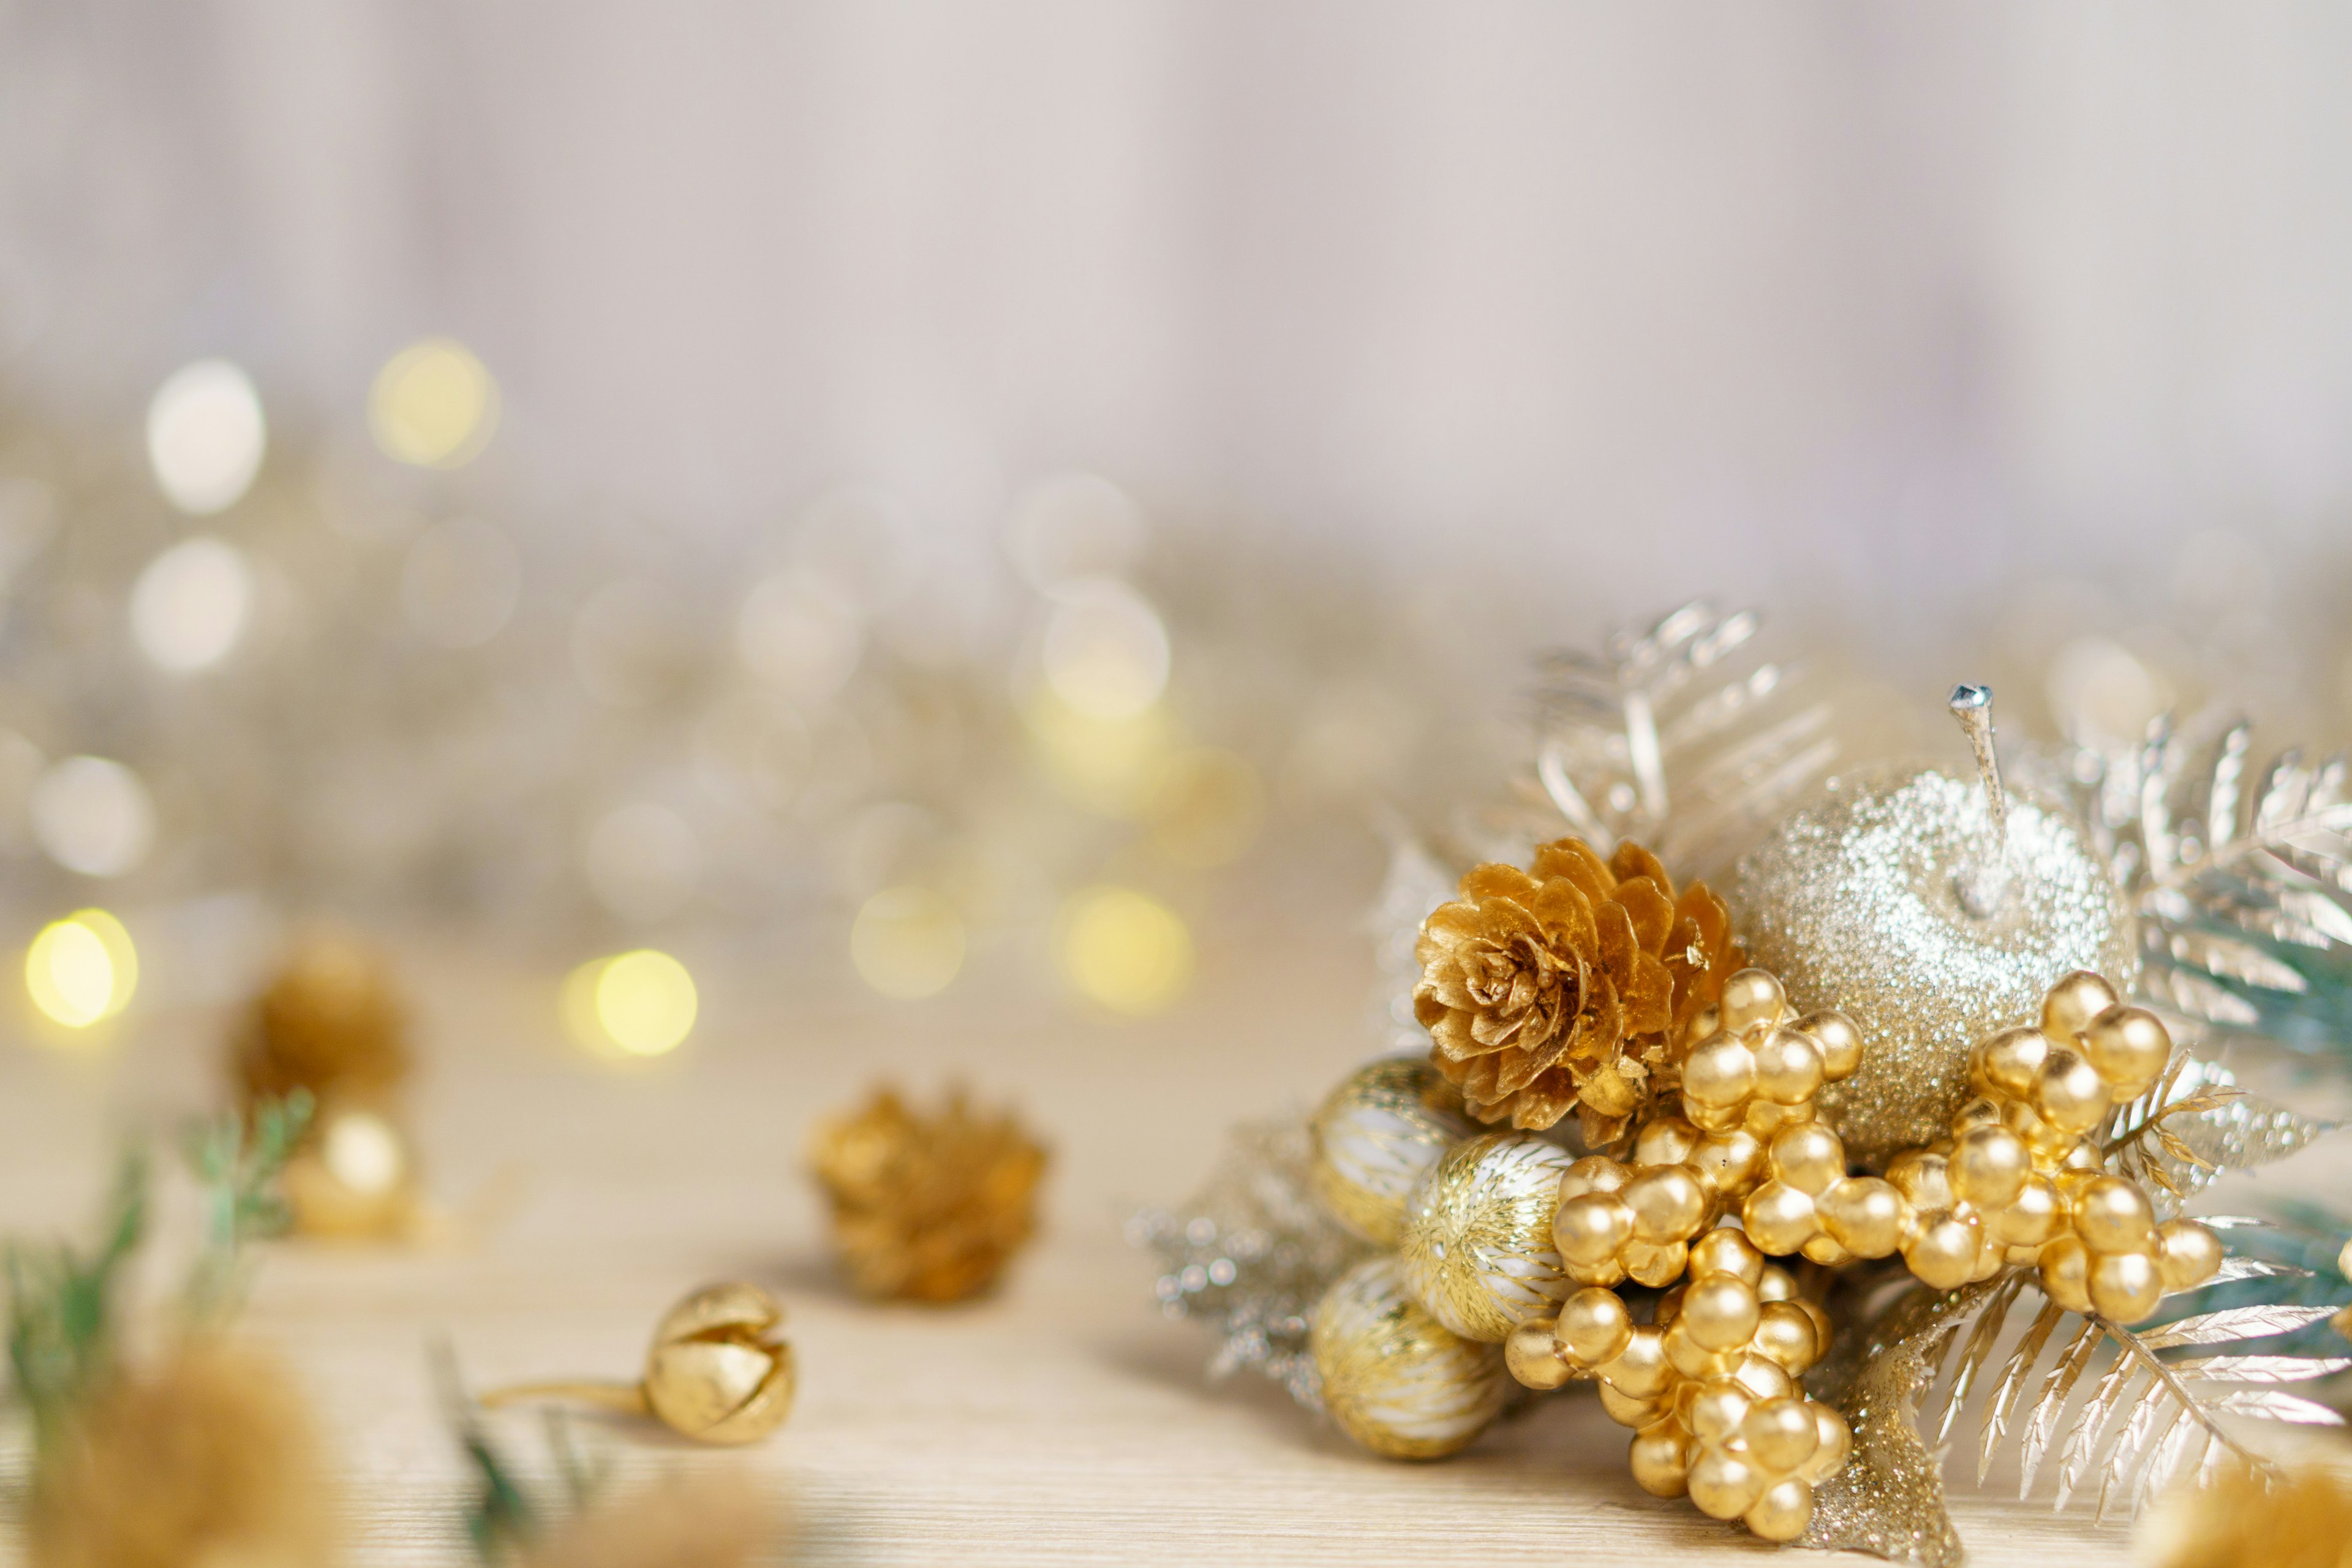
(1916, 1100)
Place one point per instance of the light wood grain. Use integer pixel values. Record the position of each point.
(1063, 1421)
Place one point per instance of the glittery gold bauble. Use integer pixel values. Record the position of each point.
(1477, 1246)
(1376, 1135)
(1394, 1378)
(1862, 901)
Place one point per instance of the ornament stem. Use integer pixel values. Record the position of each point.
(629, 1398)
(1982, 885)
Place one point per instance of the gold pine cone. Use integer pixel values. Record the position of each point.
(1565, 985)
(927, 1207)
(331, 1022)
(210, 1457)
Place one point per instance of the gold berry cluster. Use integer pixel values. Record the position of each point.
(2023, 1166)
(1709, 1387)
(1754, 1075)
(2019, 1181)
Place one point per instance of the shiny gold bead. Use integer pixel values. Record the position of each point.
(717, 1372)
(1779, 1219)
(1593, 1327)
(2069, 1006)
(1626, 1409)
(2034, 1217)
(1640, 1370)
(1780, 1434)
(2125, 1285)
(1761, 1376)
(1944, 1253)
(1788, 1068)
(2048, 1142)
(1687, 1356)
(1725, 1485)
(1836, 1445)
(2065, 1271)
(2070, 1094)
(1589, 1229)
(1668, 1204)
(1725, 1250)
(1655, 1266)
(1864, 1214)
(1782, 1512)
(1532, 1355)
(1923, 1179)
(1751, 999)
(1661, 1459)
(1839, 1039)
(1593, 1173)
(1728, 1163)
(2188, 1253)
(1825, 1250)
(1720, 1312)
(1716, 1411)
(1664, 1141)
(1823, 1333)
(1776, 1284)
(1720, 1073)
(2008, 1062)
(2113, 1215)
(1808, 1157)
(1988, 1167)
(2130, 1049)
(1977, 1113)
(1785, 1334)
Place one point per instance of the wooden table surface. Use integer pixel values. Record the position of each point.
(1064, 1420)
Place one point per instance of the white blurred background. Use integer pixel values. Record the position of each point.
(1875, 306)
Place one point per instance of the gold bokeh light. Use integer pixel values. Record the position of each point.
(1124, 949)
(81, 970)
(907, 942)
(640, 1003)
(433, 404)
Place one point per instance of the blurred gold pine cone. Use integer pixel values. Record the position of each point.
(927, 1207)
(210, 1457)
(1570, 985)
(331, 1022)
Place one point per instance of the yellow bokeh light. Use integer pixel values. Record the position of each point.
(1124, 949)
(640, 1003)
(907, 942)
(82, 970)
(1108, 766)
(433, 404)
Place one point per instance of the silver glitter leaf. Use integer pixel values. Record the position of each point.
(1677, 735)
(2196, 1123)
(1250, 1254)
(1416, 883)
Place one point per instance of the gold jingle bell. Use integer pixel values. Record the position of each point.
(1933, 910)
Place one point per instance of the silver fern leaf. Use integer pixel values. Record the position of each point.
(1677, 735)
(2241, 884)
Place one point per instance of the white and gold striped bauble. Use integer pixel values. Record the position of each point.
(1476, 1246)
(1394, 1378)
(1376, 1135)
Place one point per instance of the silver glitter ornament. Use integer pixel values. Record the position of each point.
(1932, 910)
